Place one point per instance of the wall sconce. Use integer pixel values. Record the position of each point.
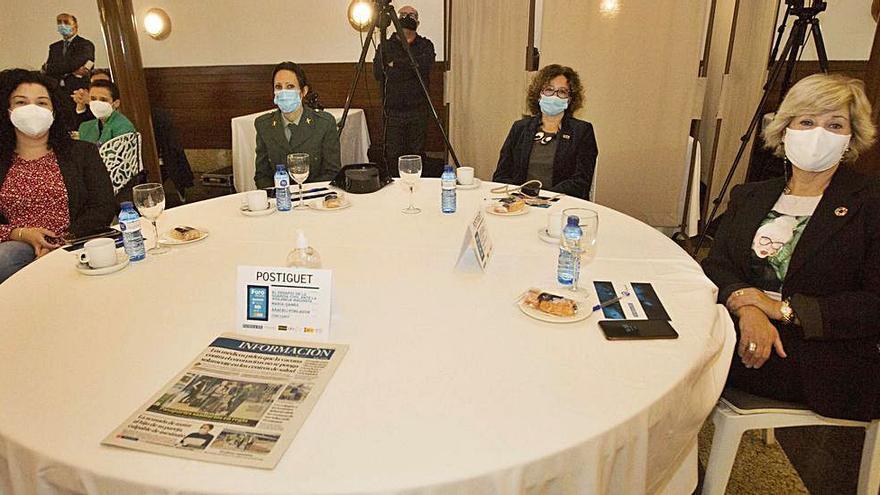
(157, 24)
(360, 14)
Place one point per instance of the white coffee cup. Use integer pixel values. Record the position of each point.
(465, 175)
(99, 253)
(257, 200)
(554, 224)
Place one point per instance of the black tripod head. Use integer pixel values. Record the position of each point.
(799, 8)
(384, 10)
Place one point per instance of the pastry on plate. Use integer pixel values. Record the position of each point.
(550, 303)
(184, 233)
(510, 204)
(333, 200)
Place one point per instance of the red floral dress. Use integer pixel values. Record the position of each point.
(33, 194)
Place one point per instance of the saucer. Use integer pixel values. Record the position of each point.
(491, 210)
(170, 241)
(583, 312)
(259, 213)
(546, 237)
(121, 262)
(474, 185)
(318, 204)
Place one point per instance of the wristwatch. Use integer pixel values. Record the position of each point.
(787, 312)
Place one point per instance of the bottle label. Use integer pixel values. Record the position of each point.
(130, 226)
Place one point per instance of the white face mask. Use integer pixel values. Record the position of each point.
(815, 150)
(100, 109)
(32, 120)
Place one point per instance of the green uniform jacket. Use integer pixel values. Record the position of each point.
(316, 135)
(116, 125)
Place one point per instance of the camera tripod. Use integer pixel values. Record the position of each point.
(385, 17)
(797, 38)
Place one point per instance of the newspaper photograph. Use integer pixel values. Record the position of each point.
(241, 402)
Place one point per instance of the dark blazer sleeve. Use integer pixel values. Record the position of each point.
(578, 185)
(721, 265)
(506, 169)
(98, 205)
(264, 175)
(426, 60)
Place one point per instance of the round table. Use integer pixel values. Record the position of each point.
(446, 388)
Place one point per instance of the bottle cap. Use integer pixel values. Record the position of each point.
(280, 168)
(574, 221)
(447, 168)
(126, 204)
(301, 241)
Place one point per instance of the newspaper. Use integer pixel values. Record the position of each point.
(241, 402)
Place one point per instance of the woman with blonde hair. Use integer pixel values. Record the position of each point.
(797, 258)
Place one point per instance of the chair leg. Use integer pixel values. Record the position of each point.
(769, 436)
(869, 472)
(725, 444)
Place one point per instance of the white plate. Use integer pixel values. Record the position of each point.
(259, 213)
(583, 312)
(318, 204)
(491, 209)
(167, 239)
(121, 262)
(546, 237)
(473, 185)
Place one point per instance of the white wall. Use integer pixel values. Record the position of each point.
(847, 29)
(212, 32)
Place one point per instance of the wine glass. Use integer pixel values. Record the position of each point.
(298, 167)
(410, 167)
(149, 199)
(585, 249)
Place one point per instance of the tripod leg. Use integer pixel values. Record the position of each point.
(357, 74)
(820, 45)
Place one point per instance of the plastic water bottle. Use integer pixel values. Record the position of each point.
(568, 268)
(132, 238)
(282, 191)
(303, 255)
(447, 182)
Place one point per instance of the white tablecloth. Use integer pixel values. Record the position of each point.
(447, 387)
(353, 144)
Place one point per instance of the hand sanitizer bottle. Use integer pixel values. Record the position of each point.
(303, 255)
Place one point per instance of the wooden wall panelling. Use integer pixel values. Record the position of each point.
(203, 100)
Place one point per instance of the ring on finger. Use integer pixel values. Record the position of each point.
(752, 347)
(738, 293)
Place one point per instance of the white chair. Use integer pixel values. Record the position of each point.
(122, 157)
(738, 412)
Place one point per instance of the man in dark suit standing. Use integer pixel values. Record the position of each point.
(406, 108)
(71, 58)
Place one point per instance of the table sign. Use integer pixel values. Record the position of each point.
(284, 302)
(240, 402)
(476, 245)
(640, 301)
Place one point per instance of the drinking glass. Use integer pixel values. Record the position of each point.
(149, 199)
(585, 250)
(410, 167)
(298, 167)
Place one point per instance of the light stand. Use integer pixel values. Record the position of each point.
(806, 18)
(384, 17)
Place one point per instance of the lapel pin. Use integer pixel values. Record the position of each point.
(308, 121)
(274, 122)
(566, 136)
(841, 211)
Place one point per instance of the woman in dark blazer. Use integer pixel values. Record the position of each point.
(552, 146)
(50, 185)
(797, 259)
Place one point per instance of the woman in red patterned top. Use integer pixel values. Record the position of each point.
(50, 185)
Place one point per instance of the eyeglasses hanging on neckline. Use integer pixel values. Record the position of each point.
(544, 137)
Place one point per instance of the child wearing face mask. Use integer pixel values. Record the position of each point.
(109, 122)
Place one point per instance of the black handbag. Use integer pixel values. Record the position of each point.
(361, 178)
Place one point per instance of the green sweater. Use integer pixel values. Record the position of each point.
(115, 125)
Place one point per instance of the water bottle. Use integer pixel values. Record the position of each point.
(447, 182)
(132, 238)
(303, 255)
(568, 268)
(282, 191)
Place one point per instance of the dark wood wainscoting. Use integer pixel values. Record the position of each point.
(203, 100)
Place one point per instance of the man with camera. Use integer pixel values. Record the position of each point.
(406, 108)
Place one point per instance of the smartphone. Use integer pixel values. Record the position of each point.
(78, 242)
(637, 329)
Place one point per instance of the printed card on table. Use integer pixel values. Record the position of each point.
(284, 302)
(642, 303)
(476, 245)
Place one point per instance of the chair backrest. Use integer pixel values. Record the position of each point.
(122, 157)
(592, 196)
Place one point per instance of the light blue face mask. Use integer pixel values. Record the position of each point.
(65, 30)
(288, 100)
(552, 105)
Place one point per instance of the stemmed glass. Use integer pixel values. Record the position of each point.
(585, 250)
(410, 167)
(149, 199)
(298, 167)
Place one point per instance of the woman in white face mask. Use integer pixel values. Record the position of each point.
(50, 185)
(797, 258)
